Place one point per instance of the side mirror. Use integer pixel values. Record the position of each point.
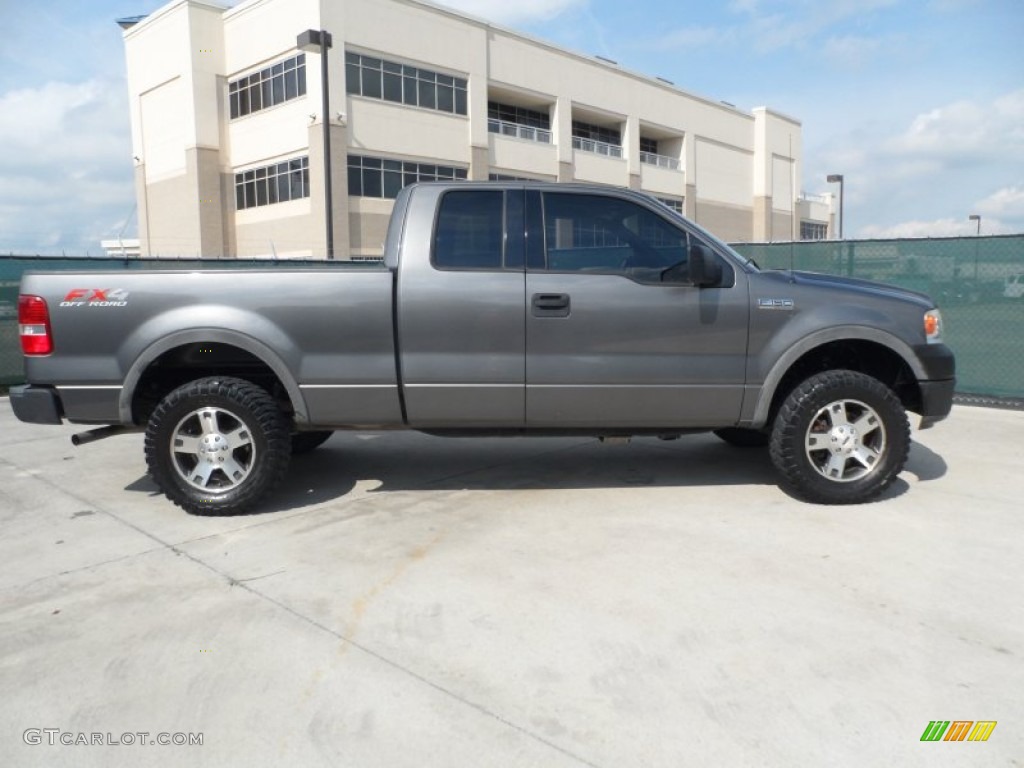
(705, 268)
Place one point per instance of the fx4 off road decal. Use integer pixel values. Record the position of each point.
(96, 297)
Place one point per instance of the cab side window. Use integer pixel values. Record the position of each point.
(594, 233)
(469, 230)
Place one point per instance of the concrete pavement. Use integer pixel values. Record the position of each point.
(414, 601)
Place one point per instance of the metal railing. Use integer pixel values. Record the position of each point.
(518, 131)
(596, 147)
(662, 161)
(823, 199)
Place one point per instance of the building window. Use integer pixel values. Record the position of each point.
(271, 184)
(518, 115)
(675, 205)
(596, 133)
(596, 139)
(274, 85)
(507, 177)
(649, 155)
(377, 177)
(389, 81)
(649, 145)
(519, 122)
(813, 230)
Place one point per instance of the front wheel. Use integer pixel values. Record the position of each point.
(841, 437)
(218, 445)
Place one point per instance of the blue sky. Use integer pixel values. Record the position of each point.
(919, 103)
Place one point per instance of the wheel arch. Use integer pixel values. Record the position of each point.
(867, 350)
(221, 361)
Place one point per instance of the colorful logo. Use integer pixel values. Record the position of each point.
(958, 730)
(96, 297)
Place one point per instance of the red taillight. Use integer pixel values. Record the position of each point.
(34, 326)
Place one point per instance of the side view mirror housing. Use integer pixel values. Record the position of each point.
(704, 267)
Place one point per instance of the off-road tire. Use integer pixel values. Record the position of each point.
(840, 437)
(304, 442)
(743, 438)
(217, 422)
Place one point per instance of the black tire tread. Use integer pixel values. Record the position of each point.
(786, 446)
(270, 420)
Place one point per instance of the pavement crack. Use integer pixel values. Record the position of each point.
(248, 587)
(406, 670)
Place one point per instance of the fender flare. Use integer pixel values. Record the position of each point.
(220, 336)
(815, 340)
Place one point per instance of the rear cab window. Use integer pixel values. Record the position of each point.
(470, 230)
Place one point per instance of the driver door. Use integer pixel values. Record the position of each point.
(610, 342)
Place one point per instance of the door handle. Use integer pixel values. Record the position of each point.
(550, 304)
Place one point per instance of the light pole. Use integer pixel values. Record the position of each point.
(832, 178)
(975, 217)
(319, 41)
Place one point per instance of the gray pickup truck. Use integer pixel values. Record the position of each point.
(528, 309)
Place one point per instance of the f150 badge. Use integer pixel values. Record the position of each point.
(784, 304)
(96, 297)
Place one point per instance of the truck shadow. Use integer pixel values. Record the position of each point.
(366, 464)
(392, 462)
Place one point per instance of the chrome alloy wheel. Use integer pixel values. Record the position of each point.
(213, 450)
(845, 441)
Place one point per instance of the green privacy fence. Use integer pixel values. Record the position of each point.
(978, 282)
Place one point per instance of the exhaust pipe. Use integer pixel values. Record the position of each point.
(92, 435)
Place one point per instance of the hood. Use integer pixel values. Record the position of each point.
(850, 284)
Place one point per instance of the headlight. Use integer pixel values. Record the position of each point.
(933, 326)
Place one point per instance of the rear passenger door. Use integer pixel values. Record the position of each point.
(613, 340)
(461, 309)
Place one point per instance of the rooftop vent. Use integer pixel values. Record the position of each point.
(130, 21)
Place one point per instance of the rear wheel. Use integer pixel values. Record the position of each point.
(217, 446)
(841, 437)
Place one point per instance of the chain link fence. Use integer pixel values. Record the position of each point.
(977, 281)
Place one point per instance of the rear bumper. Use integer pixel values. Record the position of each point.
(36, 405)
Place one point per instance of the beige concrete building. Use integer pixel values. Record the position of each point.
(227, 127)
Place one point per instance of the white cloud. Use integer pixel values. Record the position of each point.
(924, 178)
(520, 12)
(67, 178)
(966, 130)
(744, 6)
(798, 25)
(693, 37)
(769, 30)
(852, 51)
(935, 228)
(1007, 202)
